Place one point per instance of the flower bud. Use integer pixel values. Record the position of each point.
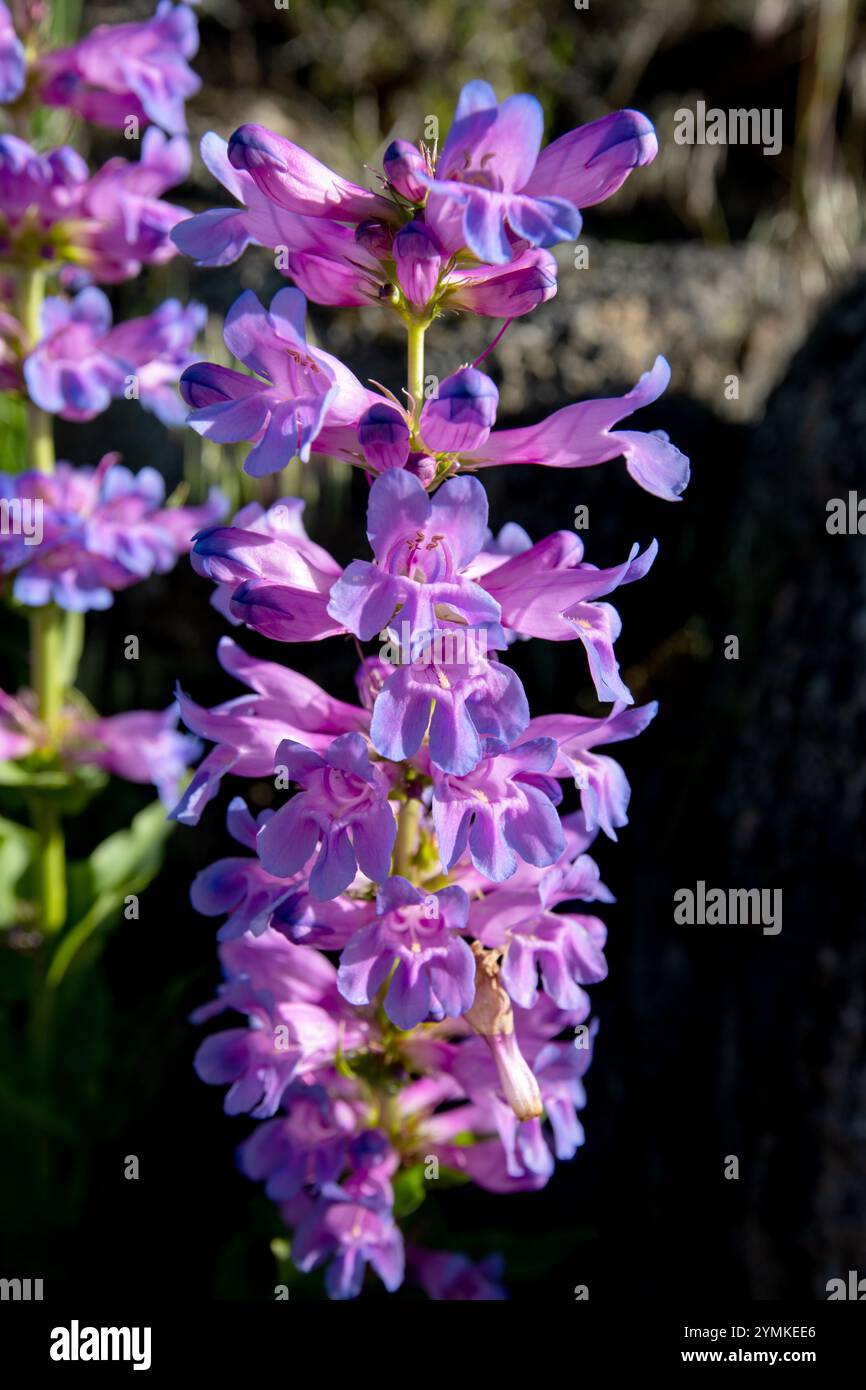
(384, 437)
(402, 165)
(462, 415)
(505, 292)
(375, 237)
(416, 253)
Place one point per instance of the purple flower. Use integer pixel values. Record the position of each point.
(604, 789)
(332, 264)
(349, 1232)
(460, 416)
(446, 624)
(383, 434)
(303, 391)
(414, 931)
(247, 731)
(543, 591)
(491, 187)
(579, 436)
(297, 1021)
(123, 223)
(474, 704)
(418, 261)
(504, 809)
(294, 180)
(38, 190)
(241, 887)
(421, 546)
(324, 258)
(258, 1063)
(343, 811)
(503, 291)
(404, 166)
(271, 575)
(566, 950)
(103, 227)
(13, 64)
(446, 1275)
(122, 70)
(307, 1146)
(82, 363)
(139, 746)
(102, 530)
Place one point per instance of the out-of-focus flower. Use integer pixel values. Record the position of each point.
(81, 363)
(102, 529)
(13, 64)
(122, 70)
(446, 1275)
(138, 745)
(104, 227)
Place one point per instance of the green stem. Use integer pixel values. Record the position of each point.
(406, 843)
(40, 426)
(46, 646)
(416, 363)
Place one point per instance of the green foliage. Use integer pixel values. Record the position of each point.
(17, 843)
(123, 865)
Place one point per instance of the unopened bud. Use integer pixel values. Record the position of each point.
(384, 436)
(418, 261)
(462, 414)
(376, 238)
(402, 165)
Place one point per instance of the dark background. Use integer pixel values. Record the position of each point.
(713, 1041)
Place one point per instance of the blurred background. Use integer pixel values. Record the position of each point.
(747, 272)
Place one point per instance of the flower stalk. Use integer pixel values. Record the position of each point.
(46, 650)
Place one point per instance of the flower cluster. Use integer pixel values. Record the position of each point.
(71, 537)
(408, 931)
(95, 228)
(88, 532)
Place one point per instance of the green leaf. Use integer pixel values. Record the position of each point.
(409, 1190)
(127, 854)
(122, 865)
(17, 844)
